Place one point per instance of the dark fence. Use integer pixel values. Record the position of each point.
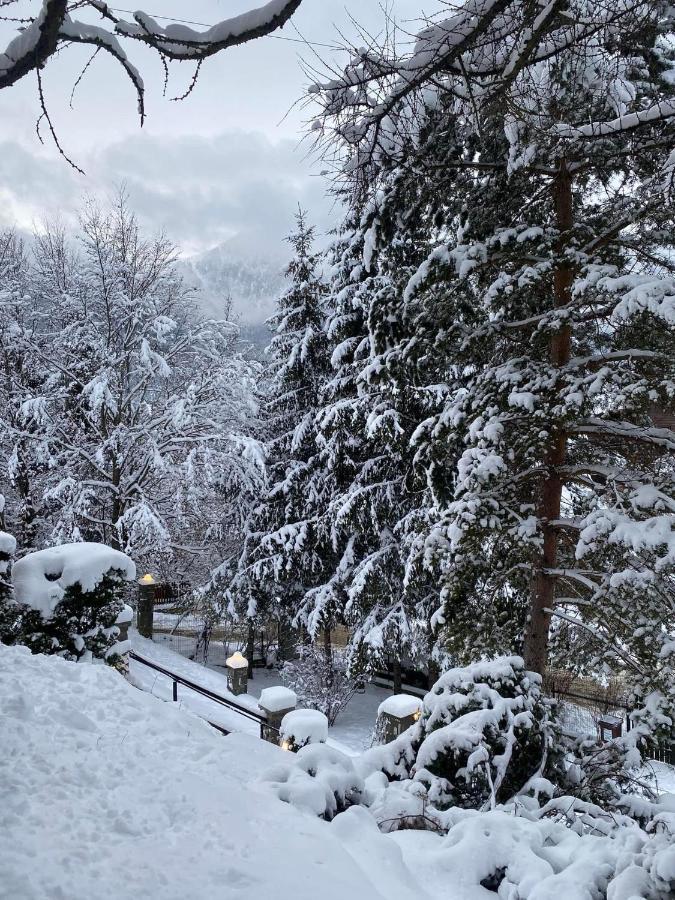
(259, 718)
(582, 709)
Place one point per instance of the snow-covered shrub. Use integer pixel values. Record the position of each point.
(320, 680)
(301, 727)
(8, 609)
(485, 731)
(71, 597)
(485, 734)
(318, 779)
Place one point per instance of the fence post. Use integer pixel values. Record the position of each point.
(237, 673)
(146, 605)
(396, 714)
(275, 702)
(175, 691)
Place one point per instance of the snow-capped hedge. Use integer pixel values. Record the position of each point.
(70, 600)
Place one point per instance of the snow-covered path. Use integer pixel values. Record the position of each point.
(352, 732)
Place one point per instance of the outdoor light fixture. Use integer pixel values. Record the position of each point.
(237, 661)
(147, 579)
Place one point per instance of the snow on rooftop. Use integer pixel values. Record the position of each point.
(274, 699)
(400, 705)
(41, 578)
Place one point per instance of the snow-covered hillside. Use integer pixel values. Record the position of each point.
(108, 791)
(250, 281)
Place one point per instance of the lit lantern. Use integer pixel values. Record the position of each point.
(237, 673)
(147, 579)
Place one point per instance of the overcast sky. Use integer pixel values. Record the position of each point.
(225, 162)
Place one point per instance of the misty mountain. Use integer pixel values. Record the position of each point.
(235, 274)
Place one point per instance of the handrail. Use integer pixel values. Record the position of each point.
(177, 679)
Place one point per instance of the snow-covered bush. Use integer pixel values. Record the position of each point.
(318, 779)
(8, 611)
(486, 733)
(320, 680)
(301, 727)
(71, 598)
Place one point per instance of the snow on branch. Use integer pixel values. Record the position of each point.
(51, 29)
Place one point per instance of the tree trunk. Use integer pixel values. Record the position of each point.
(396, 676)
(432, 673)
(250, 648)
(542, 598)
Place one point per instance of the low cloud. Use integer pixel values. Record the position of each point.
(201, 190)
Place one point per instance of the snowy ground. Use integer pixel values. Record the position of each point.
(352, 732)
(105, 791)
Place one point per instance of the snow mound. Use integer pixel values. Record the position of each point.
(317, 779)
(304, 726)
(400, 705)
(104, 788)
(7, 543)
(41, 578)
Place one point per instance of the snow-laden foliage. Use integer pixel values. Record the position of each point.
(519, 287)
(69, 599)
(128, 419)
(319, 677)
(318, 779)
(7, 603)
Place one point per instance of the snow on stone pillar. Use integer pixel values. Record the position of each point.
(123, 645)
(237, 673)
(395, 715)
(301, 727)
(275, 702)
(146, 605)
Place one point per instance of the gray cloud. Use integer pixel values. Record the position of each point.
(199, 189)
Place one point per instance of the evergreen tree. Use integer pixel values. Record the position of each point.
(284, 555)
(547, 271)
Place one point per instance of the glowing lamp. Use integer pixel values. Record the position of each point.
(147, 579)
(237, 661)
(285, 745)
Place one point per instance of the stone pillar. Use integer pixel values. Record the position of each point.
(275, 702)
(146, 605)
(123, 621)
(237, 673)
(301, 727)
(395, 715)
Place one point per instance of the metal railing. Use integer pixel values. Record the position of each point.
(259, 718)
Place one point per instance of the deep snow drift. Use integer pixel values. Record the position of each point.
(108, 791)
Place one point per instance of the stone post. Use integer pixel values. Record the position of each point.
(123, 621)
(396, 714)
(146, 605)
(237, 673)
(275, 702)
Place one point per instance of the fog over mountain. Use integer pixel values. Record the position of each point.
(234, 274)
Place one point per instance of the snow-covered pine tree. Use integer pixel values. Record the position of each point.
(366, 427)
(24, 452)
(548, 145)
(284, 555)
